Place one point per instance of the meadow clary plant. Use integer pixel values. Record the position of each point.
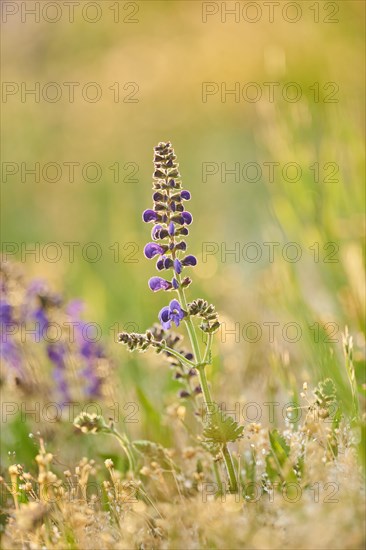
(168, 246)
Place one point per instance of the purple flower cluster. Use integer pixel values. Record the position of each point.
(170, 221)
(9, 352)
(90, 352)
(27, 315)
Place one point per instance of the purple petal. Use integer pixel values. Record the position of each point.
(185, 195)
(168, 262)
(175, 318)
(175, 283)
(157, 196)
(74, 308)
(160, 263)
(189, 260)
(164, 314)
(178, 218)
(157, 283)
(164, 317)
(177, 266)
(155, 231)
(187, 216)
(5, 312)
(171, 229)
(181, 246)
(149, 216)
(152, 249)
(176, 312)
(175, 305)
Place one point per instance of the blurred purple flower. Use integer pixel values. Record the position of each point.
(57, 354)
(90, 351)
(9, 351)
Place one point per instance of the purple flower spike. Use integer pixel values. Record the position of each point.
(170, 313)
(187, 216)
(185, 195)
(149, 216)
(157, 283)
(177, 266)
(189, 260)
(171, 229)
(152, 249)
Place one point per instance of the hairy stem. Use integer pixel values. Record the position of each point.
(230, 468)
(126, 446)
(196, 351)
(218, 478)
(200, 366)
(178, 356)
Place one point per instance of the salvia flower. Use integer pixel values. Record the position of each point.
(157, 283)
(152, 249)
(170, 220)
(172, 312)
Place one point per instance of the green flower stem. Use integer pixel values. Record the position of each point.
(126, 446)
(208, 348)
(200, 366)
(218, 478)
(179, 356)
(196, 350)
(190, 327)
(230, 468)
(204, 385)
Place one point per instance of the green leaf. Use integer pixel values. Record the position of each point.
(152, 417)
(279, 447)
(212, 448)
(222, 429)
(325, 393)
(277, 462)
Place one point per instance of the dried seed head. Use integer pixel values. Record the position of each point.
(90, 423)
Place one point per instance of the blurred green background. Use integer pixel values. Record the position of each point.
(170, 52)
